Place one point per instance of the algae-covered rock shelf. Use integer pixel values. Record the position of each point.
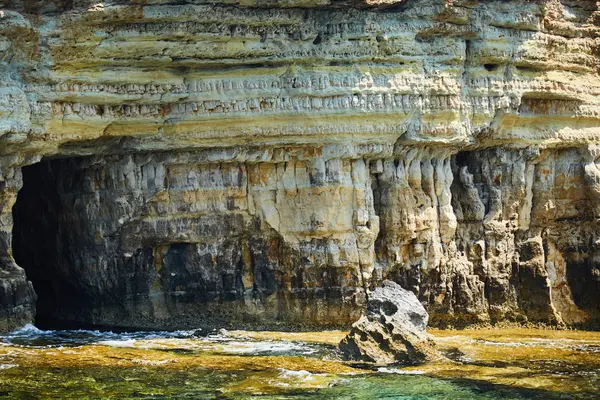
(508, 364)
(169, 164)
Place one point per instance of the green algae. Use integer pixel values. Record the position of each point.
(486, 364)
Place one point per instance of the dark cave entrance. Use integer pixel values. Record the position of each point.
(38, 243)
(87, 238)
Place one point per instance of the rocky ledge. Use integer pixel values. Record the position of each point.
(262, 164)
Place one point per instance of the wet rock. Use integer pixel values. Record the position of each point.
(392, 331)
(17, 297)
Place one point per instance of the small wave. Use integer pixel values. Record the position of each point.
(28, 329)
(302, 379)
(250, 347)
(588, 348)
(220, 341)
(506, 344)
(290, 373)
(398, 371)
(31, 336)
(152, 362)
(118, 343)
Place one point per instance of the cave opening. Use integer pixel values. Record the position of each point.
(114, 242)
(39, 243)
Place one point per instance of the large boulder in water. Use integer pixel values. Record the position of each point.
(392, 331)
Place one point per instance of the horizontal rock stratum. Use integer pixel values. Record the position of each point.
(261, 163)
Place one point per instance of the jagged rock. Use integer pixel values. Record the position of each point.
(17, 296)
(393, 331)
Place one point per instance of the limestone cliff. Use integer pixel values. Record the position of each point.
(262, 163)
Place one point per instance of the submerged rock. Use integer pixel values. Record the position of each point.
(392, 331)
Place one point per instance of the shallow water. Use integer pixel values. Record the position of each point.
(483, 364)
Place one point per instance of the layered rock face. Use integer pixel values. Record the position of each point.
(250, 164)
(172, 239)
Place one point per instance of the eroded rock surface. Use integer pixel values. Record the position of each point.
(17, 297)
(393, 330)
(264, 163)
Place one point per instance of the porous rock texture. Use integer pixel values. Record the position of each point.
(262, 163)
(392, 331)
